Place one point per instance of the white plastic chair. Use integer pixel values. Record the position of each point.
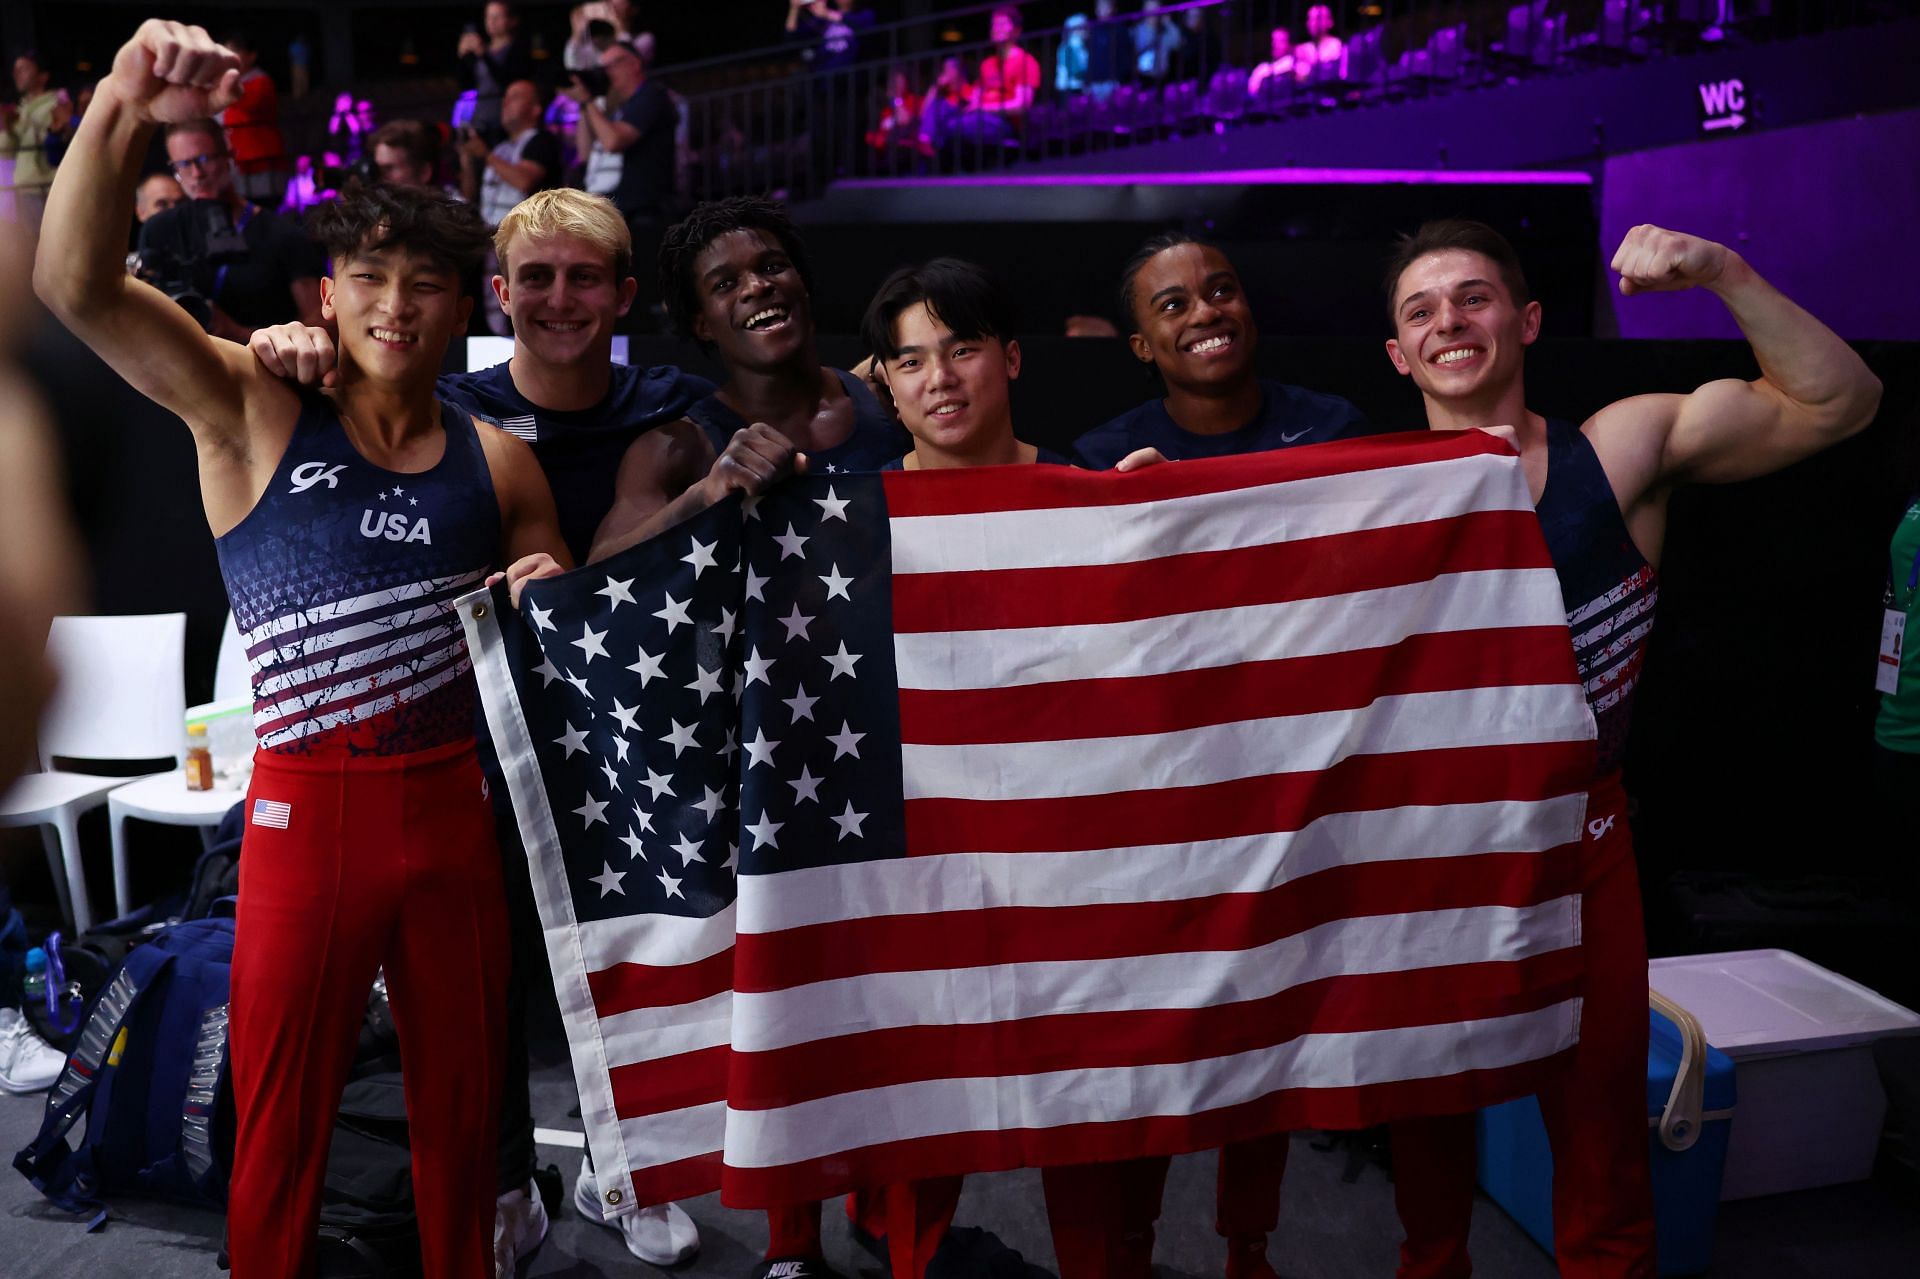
(164, 797)
(120, 698)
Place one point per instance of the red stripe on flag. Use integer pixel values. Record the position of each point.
(1019, 488)
(1091, 1041)
(1273, 573)
(682, 1179)
(695, 1078)
(1285, 1111)
(1223, 922)
(623, 988)
(1078, 709)
(1248, 806)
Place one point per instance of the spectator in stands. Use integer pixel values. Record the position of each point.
(899, 124)
(825, 31)
(527, 161)
(1200, 47)
(1278, 67)
(1323, 48)
(156, 194)
(1109, 45)
(24, 128)
(1156, 40)
(253, 130)
(627, 138)
(1070, 64)
(945, 102)
(407, 153)
(276, 278)
(1009, 76)
(66, 119)
(594, 27)
(299, 66)
(491, 62)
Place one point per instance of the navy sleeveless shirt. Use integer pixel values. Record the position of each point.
(875, 440)
(1609, 588)
(342, 580)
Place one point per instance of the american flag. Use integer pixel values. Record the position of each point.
(900, 825)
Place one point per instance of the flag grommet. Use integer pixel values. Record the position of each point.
(613, 1198)
(479, 611)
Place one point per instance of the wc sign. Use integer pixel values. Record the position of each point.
(1723, 106)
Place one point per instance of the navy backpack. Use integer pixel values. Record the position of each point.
(149, 1074)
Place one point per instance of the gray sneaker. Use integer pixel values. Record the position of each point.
(663, 1234)
(28, 1063)
(519, 1227)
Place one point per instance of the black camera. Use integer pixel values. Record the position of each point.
(593, 80)
(181, 254)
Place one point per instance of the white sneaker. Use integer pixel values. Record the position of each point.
(519, 1227)
(663, 1235)
(28, 1063)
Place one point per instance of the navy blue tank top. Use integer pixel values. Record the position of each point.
(1609, 588)
(342, 580)
(875, 440)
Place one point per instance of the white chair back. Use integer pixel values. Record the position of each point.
(122, 692)
(231, 678)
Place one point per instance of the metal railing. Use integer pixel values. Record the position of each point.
(889, 106)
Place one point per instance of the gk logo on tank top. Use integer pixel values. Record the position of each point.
(308, 474)
(395, 527)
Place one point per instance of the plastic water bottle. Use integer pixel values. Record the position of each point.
(34, 987)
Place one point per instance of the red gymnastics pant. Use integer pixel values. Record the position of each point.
(385, 860)
(1594, 1103)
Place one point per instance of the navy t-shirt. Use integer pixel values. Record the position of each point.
(580, 450)
(1289, 415)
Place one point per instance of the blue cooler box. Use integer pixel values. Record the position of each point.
(1690, 1096)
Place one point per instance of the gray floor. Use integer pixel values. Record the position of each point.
(1330, 1229)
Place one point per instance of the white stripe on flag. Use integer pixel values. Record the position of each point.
(648, 1034)
(1056, 537)
(827, 1126)
(1454, 719)
(1157, 872)
(1136, 983)
(673, 1135)
(658, 940)
(1225, 637)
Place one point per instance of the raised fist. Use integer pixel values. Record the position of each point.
(756, 458)
(171, 71)
(1654, 260)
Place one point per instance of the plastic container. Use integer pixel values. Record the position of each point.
(1811, 1104)
(33, 987)
(1690, 1101)
(199, 765)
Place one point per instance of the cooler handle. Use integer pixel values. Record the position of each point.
(1680, 1118)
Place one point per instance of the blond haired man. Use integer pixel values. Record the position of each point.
(566, 278)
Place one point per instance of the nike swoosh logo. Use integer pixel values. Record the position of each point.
(1288, 439)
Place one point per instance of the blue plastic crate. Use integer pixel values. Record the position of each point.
(1516, 1168)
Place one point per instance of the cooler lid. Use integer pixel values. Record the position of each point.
(1758, 1003)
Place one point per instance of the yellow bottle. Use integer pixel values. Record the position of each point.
(199, 758)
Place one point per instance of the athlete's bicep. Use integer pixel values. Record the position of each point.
(656, 469)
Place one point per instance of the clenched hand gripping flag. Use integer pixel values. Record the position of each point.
(903, 825)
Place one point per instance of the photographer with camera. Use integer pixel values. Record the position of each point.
(231, 264)
(625, 132)
(491, 62)
(499, 177)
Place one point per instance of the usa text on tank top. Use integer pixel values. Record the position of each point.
(342, 580)
(1609, 588)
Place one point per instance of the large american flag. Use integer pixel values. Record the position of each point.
(900, 825)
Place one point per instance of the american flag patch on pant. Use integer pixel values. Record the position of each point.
(271, 812)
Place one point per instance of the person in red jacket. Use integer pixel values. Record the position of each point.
(261, 167)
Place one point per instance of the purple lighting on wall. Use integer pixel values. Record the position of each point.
(1239, 177)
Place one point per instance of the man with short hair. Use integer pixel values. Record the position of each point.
(528, 160)
(347, 526)
(566, 275)
(406, 153)
(275, 277)
(24, 127)
(1463, 318)
(736, 279)
(156, 193)
(253, 130)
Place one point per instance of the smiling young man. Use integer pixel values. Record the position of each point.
(1462, 319)
(345, 525)
(566, 279)
(735, 278)
(1190, 320)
